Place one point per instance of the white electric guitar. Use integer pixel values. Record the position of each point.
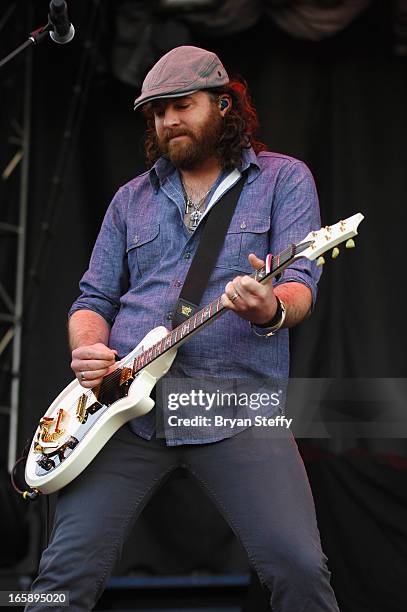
(80, 422)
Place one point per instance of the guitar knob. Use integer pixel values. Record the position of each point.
(350, 244)
(320, 261)
(335, 252)
(46, 464)
(72, 442)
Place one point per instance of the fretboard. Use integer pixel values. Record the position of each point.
(209, 313)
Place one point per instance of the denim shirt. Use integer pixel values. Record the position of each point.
(142, 255)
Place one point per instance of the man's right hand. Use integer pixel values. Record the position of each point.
(91, 363)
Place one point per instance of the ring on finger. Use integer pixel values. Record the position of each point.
(234, 297)
(82, 376)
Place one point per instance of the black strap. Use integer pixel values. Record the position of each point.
(207, 253)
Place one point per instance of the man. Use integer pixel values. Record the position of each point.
(200, 138)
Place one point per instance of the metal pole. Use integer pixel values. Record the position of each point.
(21, 248)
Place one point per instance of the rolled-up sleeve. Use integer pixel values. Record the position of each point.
(106, 279)
(295, 213)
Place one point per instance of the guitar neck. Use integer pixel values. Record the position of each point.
(179, 335)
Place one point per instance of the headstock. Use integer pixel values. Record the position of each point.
(318, 242)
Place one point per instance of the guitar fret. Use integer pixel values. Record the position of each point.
(203, 315)
(116, 385)
(206, 313)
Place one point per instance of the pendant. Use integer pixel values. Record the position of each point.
(194, 219)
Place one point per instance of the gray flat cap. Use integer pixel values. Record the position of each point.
(181, 71)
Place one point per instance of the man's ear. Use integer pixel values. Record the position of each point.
(225, 102)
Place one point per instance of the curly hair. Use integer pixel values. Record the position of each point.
(240, 124)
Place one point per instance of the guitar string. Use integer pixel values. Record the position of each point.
(126, 362)
(111, 382)
(129, 362)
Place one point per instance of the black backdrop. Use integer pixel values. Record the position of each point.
(340, 105)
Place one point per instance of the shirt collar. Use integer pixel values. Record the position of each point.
(250, 163)
(160, 171)
(163, 168)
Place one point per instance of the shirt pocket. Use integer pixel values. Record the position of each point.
(144, 249)
(245, 235)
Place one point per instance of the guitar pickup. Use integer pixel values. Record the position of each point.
(81, 412)
(72, 442)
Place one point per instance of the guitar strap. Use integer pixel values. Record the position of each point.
(213, 236)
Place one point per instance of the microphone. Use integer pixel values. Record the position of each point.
(63, 29)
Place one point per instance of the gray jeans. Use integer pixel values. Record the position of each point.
(258, 484)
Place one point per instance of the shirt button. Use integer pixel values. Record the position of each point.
(135, 239)
(169, 316)
(187, 256)
(177, 284)
(243, 225)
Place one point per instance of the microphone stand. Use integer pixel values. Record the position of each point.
(34, 38)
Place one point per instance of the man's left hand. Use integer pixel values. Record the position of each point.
(250, 299)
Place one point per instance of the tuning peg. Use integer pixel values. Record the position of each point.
(320, 261)
(350, 244)
(335, 252)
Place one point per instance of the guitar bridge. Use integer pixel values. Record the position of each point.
(125, 375)
(46, 436)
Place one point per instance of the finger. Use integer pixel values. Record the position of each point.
(236, 294)
(256, 262)
(227, 302)
(92, 374)
(80, 365)
(231, 291)
(249, 288)
(90, 384)
(230, 288)
(96, 351)
(87, 354)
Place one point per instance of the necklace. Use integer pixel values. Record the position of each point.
(193, 210)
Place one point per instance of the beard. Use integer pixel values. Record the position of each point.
(197, 146)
